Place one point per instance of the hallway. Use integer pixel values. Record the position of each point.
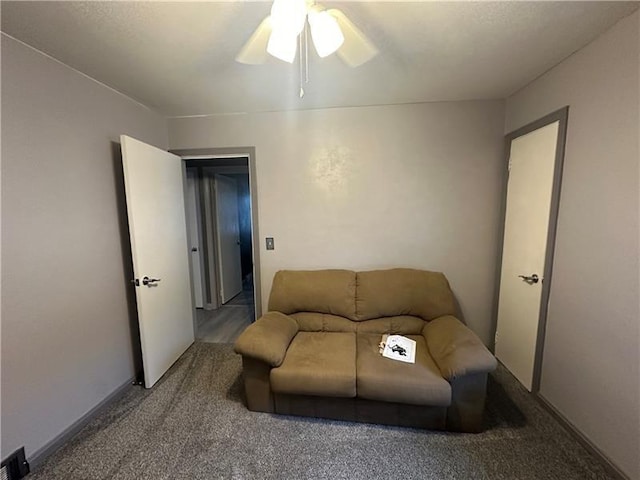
(225, 324)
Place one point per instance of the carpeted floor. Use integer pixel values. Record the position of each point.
(193, 425)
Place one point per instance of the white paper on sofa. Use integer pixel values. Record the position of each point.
(397, 347)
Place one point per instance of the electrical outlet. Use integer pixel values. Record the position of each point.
(270, 243)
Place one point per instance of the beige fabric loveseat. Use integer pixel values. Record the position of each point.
(315, 353)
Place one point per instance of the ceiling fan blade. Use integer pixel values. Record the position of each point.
(357, 48)
(254, 52)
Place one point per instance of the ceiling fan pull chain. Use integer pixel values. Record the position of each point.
(306, 53)
(301, 93)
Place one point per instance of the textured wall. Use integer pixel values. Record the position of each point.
(66, 340)
(591, 363)
(375, 187)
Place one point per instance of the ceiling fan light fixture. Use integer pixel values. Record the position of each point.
(285, 31)
(289, 15)
(283, 45)
(325, 32)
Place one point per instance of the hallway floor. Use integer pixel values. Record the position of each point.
(225, 324)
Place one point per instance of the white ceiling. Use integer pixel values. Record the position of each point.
(178, 57)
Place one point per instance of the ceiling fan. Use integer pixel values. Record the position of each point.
(287, 27)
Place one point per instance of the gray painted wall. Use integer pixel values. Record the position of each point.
(375, 187)
(372, 187)
(590, 370)
(66, 341)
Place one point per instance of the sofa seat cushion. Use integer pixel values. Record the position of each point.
(318, 363)
(388, 380)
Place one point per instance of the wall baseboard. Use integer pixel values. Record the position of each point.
(40, 455)
(611, 468)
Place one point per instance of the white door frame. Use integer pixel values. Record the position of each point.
(210, 255)
(560, 116)
(192, 203)
(250, 154)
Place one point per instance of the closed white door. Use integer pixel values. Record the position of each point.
(529, 192)
(228, 237)
(158, 232)
(193, 225)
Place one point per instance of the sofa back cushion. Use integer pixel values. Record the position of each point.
(321, 291)
(323, 322)
(403, 291)
(400, 325)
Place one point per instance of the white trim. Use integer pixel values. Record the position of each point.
(206, 157)
(336, 107)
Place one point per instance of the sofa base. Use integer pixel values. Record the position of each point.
(361, 410)
(465, 414)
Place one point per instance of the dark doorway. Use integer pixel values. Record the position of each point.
(226, 263)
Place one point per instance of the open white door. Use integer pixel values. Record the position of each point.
(529, 193)
(158, 231)
(228, 237)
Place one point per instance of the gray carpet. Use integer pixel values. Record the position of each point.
(193, 425)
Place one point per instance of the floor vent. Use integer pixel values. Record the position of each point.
(15, 466)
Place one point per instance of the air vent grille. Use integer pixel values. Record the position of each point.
(15, 466)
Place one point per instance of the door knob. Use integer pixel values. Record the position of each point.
(530, 279)
(150, 282)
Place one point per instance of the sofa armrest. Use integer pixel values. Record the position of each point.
(456, 349)
(268, 338)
